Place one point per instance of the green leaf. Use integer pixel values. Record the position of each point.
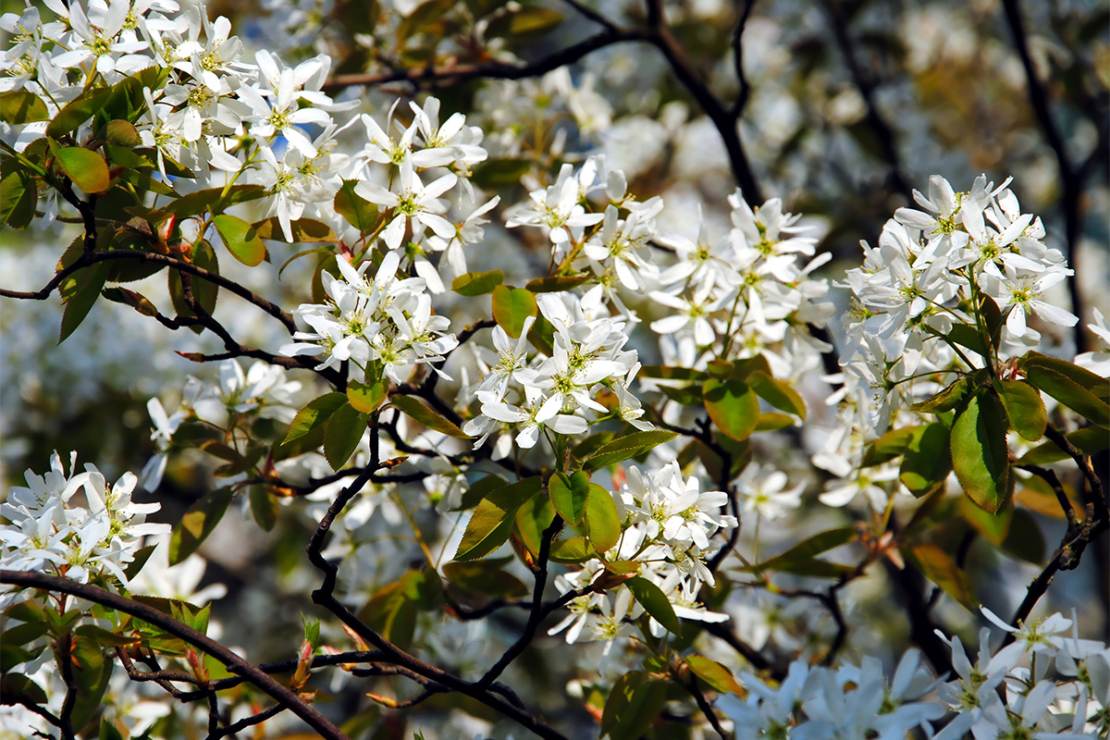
(942, 570)
(209, 199)
(655, 603)
(664, 372)
(417, 410)
(142, 555)
(927, 460)
(20, 106)
(477, 283)
(733, 407)
(108, 731)
(511, 306)
(204, 292)
(968, 336)
(314, 415)
(479, 490)
(77, 111)
(557, 284)
(19, 194)
(1025, 539)
(629, 446)
(993, 526)
(572, 550)
(799, 559)
(392, 610)
(603, 523)
(947, 399)
(1089, 441)
(89, 281)
(197, 523)
(342, 435)
(367, 398)
(87, 169)
(425, 15)
(1025, 409)
(891, 445)
(496, 172)
(491, 522)
(542, 335)
(777, 393)
(1097, 385)
(304, 230)
(485, 577)
(532, 520)
(264, 507)
(530, 21)
(241, 239)
(979, 454)
(1085, 396)
(355, 210)
(773, 422)
(569, 495)
(122, 134)
(714, 674)
(633, 705)
(17, 687)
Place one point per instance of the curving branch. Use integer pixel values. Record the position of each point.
(234, 663)
(1072, 178)
(91, 258)
(741, 103)
(459, 73)
(723, 118)
(325, 596)
(866, 86)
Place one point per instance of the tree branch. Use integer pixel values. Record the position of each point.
(234, 663)
(1071, 180)
(866, 87)
(90, 258)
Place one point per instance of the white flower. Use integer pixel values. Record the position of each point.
(764, 494)
(1098, 362)
(415, 203)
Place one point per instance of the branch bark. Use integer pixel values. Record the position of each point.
(234, 663)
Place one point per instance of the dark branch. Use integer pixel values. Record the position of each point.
(87, 259)
(1071, 180)
(234, 663)
(866, 86)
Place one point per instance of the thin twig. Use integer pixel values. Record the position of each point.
(706, 709)
(537, 613)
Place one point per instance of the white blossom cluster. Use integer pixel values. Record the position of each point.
(384, 322)
(745, 294)
(914, 288)
(1063, 694)
(668, 522)
(50, 532)
(263, 391)
(556, 393)
(228, 119)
